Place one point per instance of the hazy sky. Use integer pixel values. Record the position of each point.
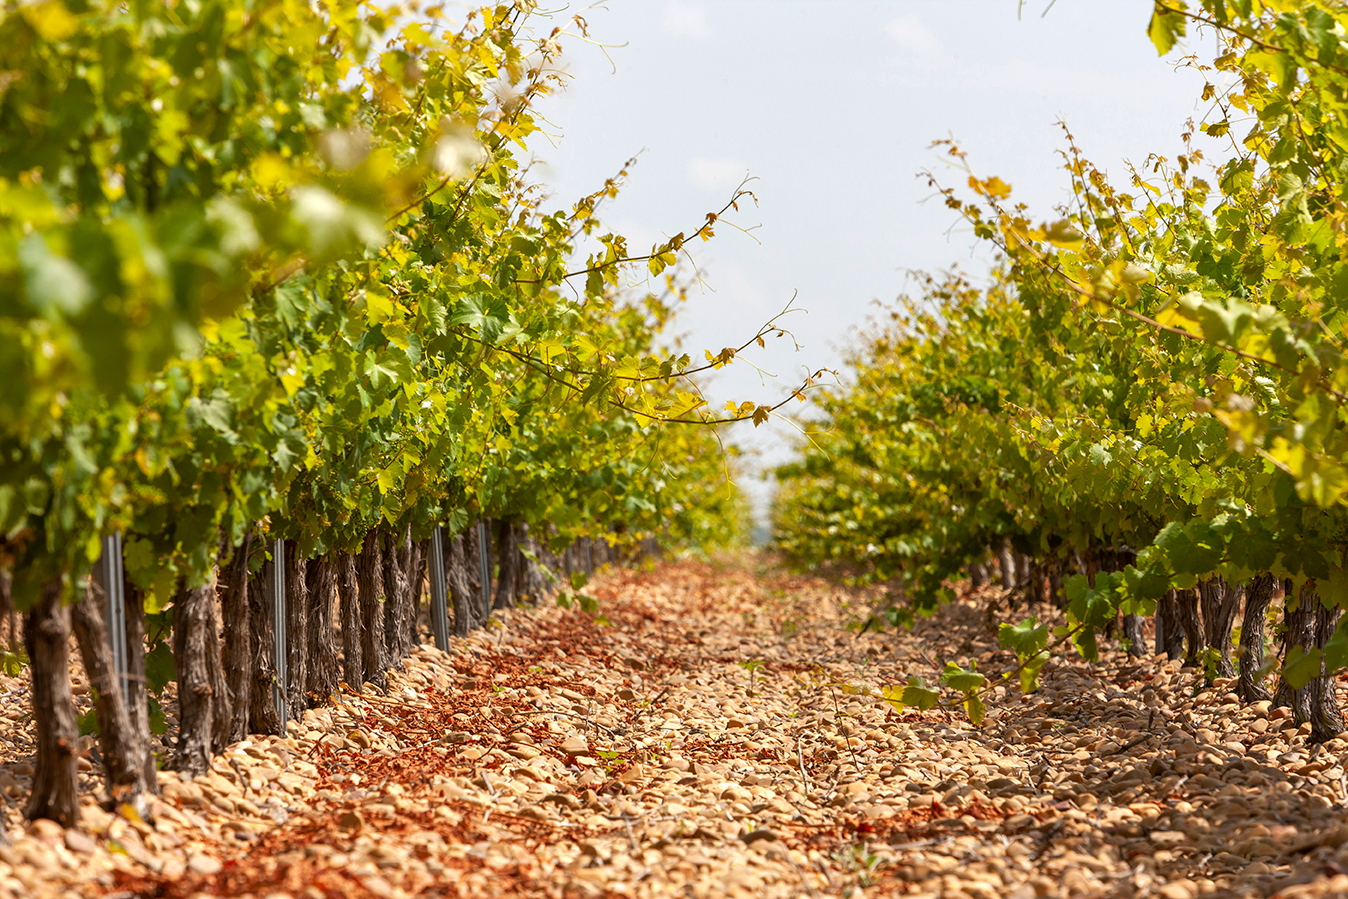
(832, 106)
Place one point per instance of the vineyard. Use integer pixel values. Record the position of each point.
(349, 495)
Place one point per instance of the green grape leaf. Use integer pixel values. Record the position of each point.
(973, 705)
(916, 694)
(1165, 29)
(1300, 666)
(1144, 585)
(160, 669)
(1023, 639)
(1029, 671)
(961, 679)
(158, 724)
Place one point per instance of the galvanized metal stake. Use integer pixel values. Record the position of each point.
(439, 584)
(278, 622)
(111, 576)
(484, 558)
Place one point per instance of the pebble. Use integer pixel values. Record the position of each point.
(78, 842)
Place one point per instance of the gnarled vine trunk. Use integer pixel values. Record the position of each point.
(322, 671)
(348, 591)
(1298, 632)
(1326, 717)
(1006, 564)
(1169, 632)
(1220, 602)
(479, 552)
(1258, 596)
(533, 577)
(370, 576)
(1134, 634)
(416, 579)
(124, 756)
(297, 631)
(263, 717)
(1187, 601)
(237, 660)
(1038, 592)
(520, 589)
(196, 654)
(397, 597)
(46, 636)
(506, 554)
(138, 697)
(7, 609)
(466, 609)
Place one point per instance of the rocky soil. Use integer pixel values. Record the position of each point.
(722, 735)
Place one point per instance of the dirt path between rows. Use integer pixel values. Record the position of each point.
(723, 737)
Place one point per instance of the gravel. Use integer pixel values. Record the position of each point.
(549, 755)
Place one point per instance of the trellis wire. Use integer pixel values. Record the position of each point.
(439, 599)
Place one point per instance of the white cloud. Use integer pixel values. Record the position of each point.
(716, 174)
(686, 21)
(911, 35)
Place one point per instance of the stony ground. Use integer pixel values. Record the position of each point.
(723, 736)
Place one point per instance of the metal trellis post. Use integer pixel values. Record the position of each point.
(439, 583)
(484, 558)
(278, 619)
(111, 575)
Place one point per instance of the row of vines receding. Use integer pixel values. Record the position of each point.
(280, 308)
(1141, 412)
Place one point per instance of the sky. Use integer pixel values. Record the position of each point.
(832, 107)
